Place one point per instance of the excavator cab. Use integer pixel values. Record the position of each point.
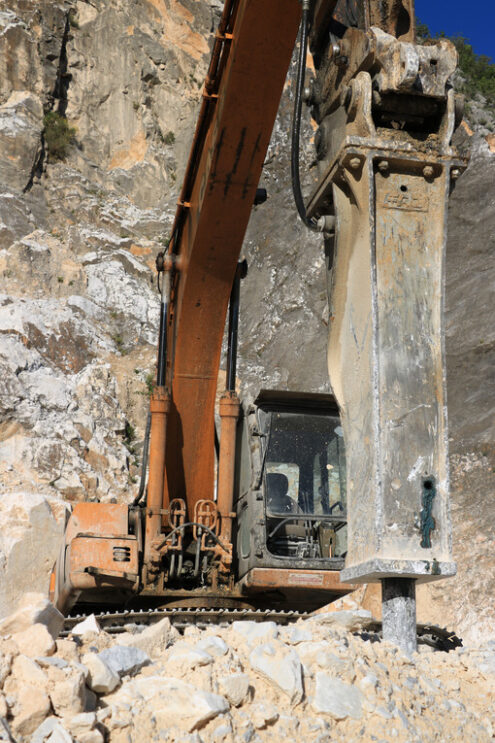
(304, 489)
(292, 515)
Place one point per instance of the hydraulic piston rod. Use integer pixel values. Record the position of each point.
(399, 613)
(229, 414)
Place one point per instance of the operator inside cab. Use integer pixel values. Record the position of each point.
(279, 501)
(305, 485)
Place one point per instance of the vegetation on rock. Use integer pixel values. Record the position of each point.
(73, 19)
(58, 135)
(477, 70)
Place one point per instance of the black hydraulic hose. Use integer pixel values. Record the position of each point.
(191, 523)
(241, 273)
(309, 518)
(296, 120)
(164, 287)
(161, 362)
(162, 345)
(144, 463)
(233, 331)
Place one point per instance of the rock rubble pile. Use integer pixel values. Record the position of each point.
(320, 680)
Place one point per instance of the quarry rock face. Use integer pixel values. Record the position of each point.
(21, 123)
(78, 237)
(79, 302)
(30, 536)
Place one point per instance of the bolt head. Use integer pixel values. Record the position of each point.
(308, 93)
(455, 173)
(428, 171)
(342, 61)
(383, 166)
(354, 163)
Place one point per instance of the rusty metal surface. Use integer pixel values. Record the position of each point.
(395, 67)
(221, 198)
(333, 17)
(395, 17)
(157, 496)
(229, 415)
(92, 533)
(97, 552)
(98, 519)
(387, 168)
(422, 70)
(107, 564)
(352, 13)
(259, 579)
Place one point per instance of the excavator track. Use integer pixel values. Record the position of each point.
(117, 622)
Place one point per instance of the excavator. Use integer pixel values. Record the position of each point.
(261, 514)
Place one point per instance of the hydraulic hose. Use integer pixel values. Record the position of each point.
(191, 523)
(296, 120)
(144, 463)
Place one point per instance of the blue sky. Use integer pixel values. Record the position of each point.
(475, 20)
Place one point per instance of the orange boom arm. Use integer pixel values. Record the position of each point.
(252, 52)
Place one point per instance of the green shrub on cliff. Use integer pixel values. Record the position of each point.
(477, 70)
(58, 135)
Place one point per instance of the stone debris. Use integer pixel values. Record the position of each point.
(152, 640)
(101, 678)
(31, 705)
(244, 683)
(34, 608)
(280, 666)
(69, 694)
(337, 699)
(184, 657)
(124, 661)
(213, 645)
(30, 534)
(352, 621)
(5, 735)
(52, 731)
(255, 632)
(35, 641)
(263, 715)
(235, 688)
(26, 670)
(89, 624)
(173, 703)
